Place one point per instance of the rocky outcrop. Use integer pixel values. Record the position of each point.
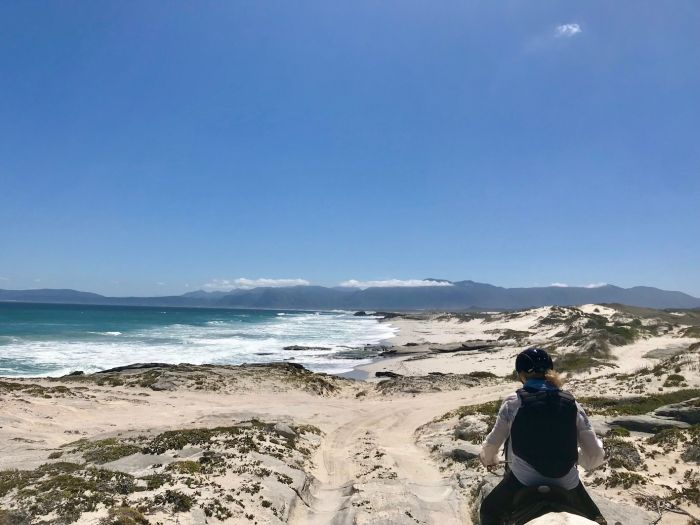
(390, 375)
(300, 348)
(462, 455)
(471, 428)
(647, 423)
(164, 385)
(687, 411)
(425, 384)
(616, 512)
(677, 415)
(482, 346)
(135, 366)
(285, 430)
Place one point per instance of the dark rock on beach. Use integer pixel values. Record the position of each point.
(285, 430)
(461, 455)
(387, 374)
(300, 347)
(136, 366)
(647, 423)
(164, 384)
(388, 315)
(465, 347)
(687, 411)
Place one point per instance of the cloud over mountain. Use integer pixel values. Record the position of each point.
(589, 285)
(393, 283)
(243, 283)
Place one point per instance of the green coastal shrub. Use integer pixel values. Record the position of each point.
(674, 380)
(637, 405)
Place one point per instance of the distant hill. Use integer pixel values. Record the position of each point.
(461, 295)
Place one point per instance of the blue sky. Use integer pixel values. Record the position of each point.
(157, 147)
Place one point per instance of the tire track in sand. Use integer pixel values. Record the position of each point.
(369, 470)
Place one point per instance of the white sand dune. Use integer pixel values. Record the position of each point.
(384, 455)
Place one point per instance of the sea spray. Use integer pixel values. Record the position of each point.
(38, 340)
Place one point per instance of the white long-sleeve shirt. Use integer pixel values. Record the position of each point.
(591, 453)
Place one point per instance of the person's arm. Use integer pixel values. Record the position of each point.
(591, 452)
(499, 433)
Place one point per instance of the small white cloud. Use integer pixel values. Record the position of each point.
(160, 283)
(389, 283)
(4, 278)
(37, 280)
(595, 285)
(246, 284)
(568, 30)
(591, 285)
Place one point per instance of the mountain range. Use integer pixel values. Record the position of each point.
(445, 295)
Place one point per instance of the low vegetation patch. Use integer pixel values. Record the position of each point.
(637, 405)
(508, 334)
(35, 390)
(618, 432)
(671, 439)
(674, 380)
(176, 500)
(691, 331)
(484, 409)
(578, 362)
(105, 450)
(480, 374)
(66, 489)
(621, 453)
(62, 491)
(626, 480)
(185, 467)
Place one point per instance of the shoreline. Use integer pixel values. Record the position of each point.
(324, 341)
(279, 444)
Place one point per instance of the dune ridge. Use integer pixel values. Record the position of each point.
(279, 444)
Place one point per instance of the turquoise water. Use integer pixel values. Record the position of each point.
(40, 339)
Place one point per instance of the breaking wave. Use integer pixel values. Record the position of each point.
(322, 341)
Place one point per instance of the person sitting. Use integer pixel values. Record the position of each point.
(544, 426)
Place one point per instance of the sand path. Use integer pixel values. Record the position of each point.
(369, 468)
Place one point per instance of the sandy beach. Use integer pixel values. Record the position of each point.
(278, 444)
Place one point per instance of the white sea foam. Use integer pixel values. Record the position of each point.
(230, 341)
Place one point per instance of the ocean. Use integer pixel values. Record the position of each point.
(52, 340)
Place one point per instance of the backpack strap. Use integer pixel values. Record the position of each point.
(567, 397)
(528, 396)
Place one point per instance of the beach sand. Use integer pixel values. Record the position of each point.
(278, 444)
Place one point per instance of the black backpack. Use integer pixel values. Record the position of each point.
(544, 431)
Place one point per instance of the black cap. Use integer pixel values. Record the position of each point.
(533, 360)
